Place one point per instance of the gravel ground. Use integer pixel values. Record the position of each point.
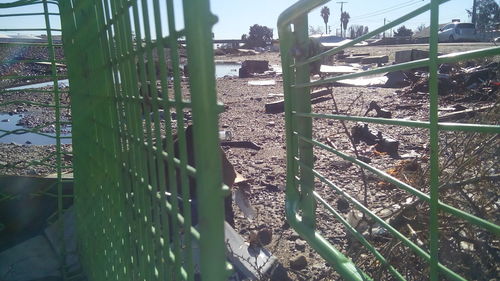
(265, 169)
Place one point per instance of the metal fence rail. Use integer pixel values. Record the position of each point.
(302, 199)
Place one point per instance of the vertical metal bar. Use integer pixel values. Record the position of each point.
(199, 22)
(304, 126)
(181, 136)
(286, 44)
(57, 103)
(434, 139)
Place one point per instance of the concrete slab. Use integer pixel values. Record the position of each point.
(353, 59)
(375, 59)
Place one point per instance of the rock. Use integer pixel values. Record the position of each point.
(298, 263)
(343, 205)
(279, 274)
(265, 236)
(293, 237)
(300, 245)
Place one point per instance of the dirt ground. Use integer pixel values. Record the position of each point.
(265, 169)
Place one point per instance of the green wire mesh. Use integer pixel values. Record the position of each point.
(143, 209)
(149, 194)
(302, 199)
(24, 62)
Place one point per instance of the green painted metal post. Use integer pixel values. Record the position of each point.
(434, 140)
(302, 104)
(199, 22)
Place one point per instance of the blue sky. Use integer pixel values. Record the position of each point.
(236, 16)
(370, 13)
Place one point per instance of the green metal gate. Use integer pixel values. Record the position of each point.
(302, 199)
(148, 192)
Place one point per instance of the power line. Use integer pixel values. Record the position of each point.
(368, 14)
(386, 10)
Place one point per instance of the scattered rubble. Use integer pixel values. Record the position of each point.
(316, 96)
(380, 112)
(361, 132)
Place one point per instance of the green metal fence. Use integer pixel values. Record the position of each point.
(148, 188)
(302, 199)
(136, 186)
(24, 61)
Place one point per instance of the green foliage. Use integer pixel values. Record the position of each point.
(488, 14)
(403, 32)
(258, 36)
(325, 14)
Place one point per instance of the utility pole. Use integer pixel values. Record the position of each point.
(383, 36)
(341, 11)
(474, 16)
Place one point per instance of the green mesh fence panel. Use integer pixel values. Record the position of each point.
(302, 175)
(148, 193)
(35, 129)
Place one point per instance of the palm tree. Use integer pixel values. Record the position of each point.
(344, 19)
(325, 14)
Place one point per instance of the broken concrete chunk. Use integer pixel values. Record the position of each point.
(375, 59)
(410, 55)
(250, 67)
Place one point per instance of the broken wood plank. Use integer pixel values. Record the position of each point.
(240, 144)
(463, 113)
(279, 106)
